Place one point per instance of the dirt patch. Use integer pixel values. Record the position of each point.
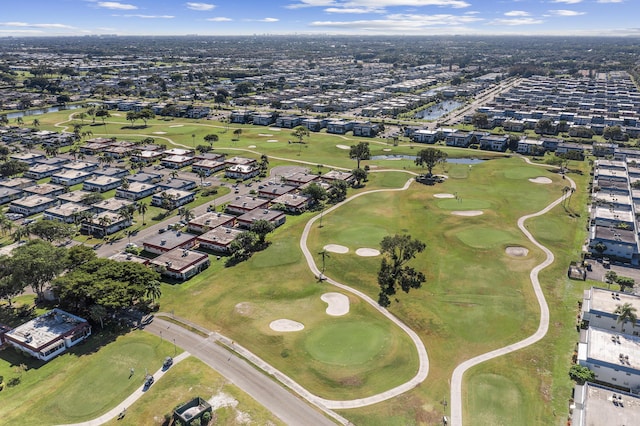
(286, 325)
(444, 196)
(367, 252)
(517, 251)
(244, 309)
(336, 248)
(468, 212)
(541, 180)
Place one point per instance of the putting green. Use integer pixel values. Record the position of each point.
(346, 343)
(522, 172)
(484, 237)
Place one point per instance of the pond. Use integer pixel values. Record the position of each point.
(40, 111)
(413, 158)
(438, 110)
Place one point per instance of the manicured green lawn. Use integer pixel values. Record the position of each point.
(81, 384)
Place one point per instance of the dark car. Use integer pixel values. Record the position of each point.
(168, 362)
(149, 381)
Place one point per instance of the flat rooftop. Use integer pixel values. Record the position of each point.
(595, 406)
(44, 189)
(67, 209)
(42, 330)
(179, 259)
(212, 219)
(614, 348)
(220, 235)
(612, 214)
(169, 239)
(112, 204)
(614, 234)
(604, 300)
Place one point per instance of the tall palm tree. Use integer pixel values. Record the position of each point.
(19, 121)
(153, 290)
(142, 209)
(201, 174)
(626, 312)
(20, 233)
(565, 191)
(36, 123)
(173, 174)
(187, 214)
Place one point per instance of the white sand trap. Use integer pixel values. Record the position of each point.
(158, 133)
(444, 195)
(338, 304)
(275, 129)
(467, 212)
(272, 140)
(542, 180)
(517, 251)
(386, 149)
(115, 114)
(336, 248)
(177, 125)
(286, 325)
(265, 134)
(343, 147)
(251, 146)
(367, 252)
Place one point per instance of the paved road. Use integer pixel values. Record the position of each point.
(263, 388)
(543, 326)
(423, 369)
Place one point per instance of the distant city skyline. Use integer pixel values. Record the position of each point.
(349, 17)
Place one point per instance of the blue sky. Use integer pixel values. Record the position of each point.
(392, 17)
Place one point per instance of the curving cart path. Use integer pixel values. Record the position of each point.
(543, 326)
(423, 369)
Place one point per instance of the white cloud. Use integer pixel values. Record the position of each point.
(564, 12)
(517, 13)
(116, 5)
(376, 5)
(352, 10)
(610, 1)
(268, 20)
(150, 16)
(406, 23)
(516, 21)
(219, 19)
(25, 24)
(200, 6)
(567, 1)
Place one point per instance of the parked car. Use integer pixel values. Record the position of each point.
(148, 381)
(168, 362)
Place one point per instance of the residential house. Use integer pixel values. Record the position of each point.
(209, 221)
(81, 166)
(594, 404)
(599, 306)
(113, 205)
(264, 119)
(218, 239)
(566, 147)
(27, 157)
(366, 129)
(49, 335)
(114, 172)
(612, 356)
(208, 167)
(339, 127)
(242, 161)
(300, 178)
(16, 182)
(494, 142)
(275, 217)
(177, 161)
(288, 121)
(74, 196)
(175, 198)
(181, 264)
(70, 177)
(105, 223)
(136, 191)
(31, 204)
(292, 203)
(244, 204)
(146, 157)
(101, 183)
(175, 183)
(67, 212)
(459, 139)
(530, 147)
(336, 175)
(145, 177)
(167, 241)
(272, 191)
(425, 136)
(617, 242)
(40, 171)
(9, 194)
(46, 189)
(242, 172)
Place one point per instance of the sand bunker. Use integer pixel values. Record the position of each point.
(177, 125)
(336, 248)
(467, 212)
(343, 147)
(386, 149)
(275, 129)
(517, 251)
(286, 325)
(444, 195)
(251, 146)
(265, 134)
(244, 308)
(338, 304)
(115, 114)
(272, 140)
(543, 180)
(158, 133)
(367, 252)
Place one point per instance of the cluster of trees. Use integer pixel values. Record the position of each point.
(336, 193)
(84, 284)
(144, 115)
(611, 277)
(249, 242)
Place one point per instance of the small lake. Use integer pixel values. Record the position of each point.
(438, 110)
(40, 111)
(413, 158)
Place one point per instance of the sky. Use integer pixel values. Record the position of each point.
(350, 17)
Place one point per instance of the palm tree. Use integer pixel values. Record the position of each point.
(104, 221)
(74, 151)
(142, 209)
(187, 214)
(19, 121)
(201, 174)
(565, 191)
(153, 290)
(36, 123)
(173, 174)
(20, 233)
(626, 312)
